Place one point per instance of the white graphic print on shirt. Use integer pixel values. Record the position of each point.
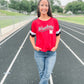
(50, 31)
(48, 27)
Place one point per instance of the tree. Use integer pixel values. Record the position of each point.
(82, 7)
(3, 2)
(71, 6)
(58, 9)
(21, 5)
(53, 6)
(75, 7)
(13, 4)
(79, 0)
(28, 6)
(33, 5)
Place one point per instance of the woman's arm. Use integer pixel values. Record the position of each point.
(57, 43)
(32, 40)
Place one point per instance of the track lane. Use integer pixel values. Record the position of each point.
(9, 49)
(75, 45)
(68, 70)
(72, 24)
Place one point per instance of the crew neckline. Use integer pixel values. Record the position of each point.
(45, 20)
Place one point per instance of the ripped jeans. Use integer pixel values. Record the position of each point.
(45, 63)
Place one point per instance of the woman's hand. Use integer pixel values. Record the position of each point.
(37, 48)
(54, 49)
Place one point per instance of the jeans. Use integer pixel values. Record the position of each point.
(45, 63)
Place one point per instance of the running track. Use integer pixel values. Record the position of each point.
(17, 64)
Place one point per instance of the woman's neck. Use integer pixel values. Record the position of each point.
(44, 17)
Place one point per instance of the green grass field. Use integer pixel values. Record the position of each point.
(7, 22)
(10, 18)
(19, 17)
(78, 20)
(7, 13)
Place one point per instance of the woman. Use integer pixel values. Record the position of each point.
(47, 32)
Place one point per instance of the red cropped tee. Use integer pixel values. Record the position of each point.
(45, 32)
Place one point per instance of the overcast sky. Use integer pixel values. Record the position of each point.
(64, 2)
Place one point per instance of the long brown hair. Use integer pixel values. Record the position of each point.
(49, 9)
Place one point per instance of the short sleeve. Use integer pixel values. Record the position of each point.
(33, 29)
(58, 30)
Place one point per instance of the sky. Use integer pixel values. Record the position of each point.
(64, 2)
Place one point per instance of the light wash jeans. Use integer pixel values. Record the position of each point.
(45, 63)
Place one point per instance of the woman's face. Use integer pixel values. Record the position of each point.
(43, 7)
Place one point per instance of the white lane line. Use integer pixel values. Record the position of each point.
(10, 36)
(9, 68)
(73, 30)
(72, 52)
(73, 36)
(51, 80)
(74, 27)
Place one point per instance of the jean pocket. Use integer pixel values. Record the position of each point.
(53, 52)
